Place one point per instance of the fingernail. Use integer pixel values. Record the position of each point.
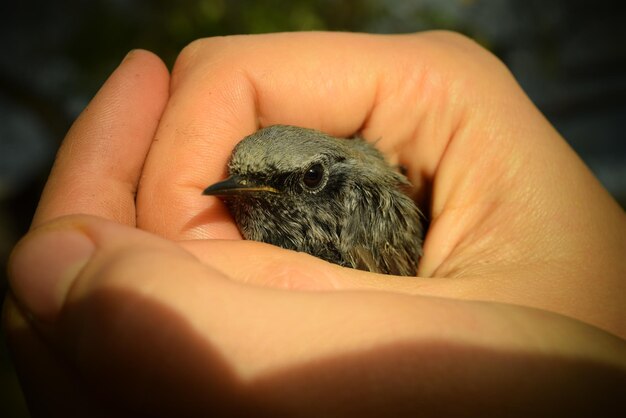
(129, 54)
(43, 268)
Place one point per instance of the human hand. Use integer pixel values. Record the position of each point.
(513, 212)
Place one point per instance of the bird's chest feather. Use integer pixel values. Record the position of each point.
(294, 225)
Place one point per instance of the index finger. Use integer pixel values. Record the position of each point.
(226, 88)
(98, 166)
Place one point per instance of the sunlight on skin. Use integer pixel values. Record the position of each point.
(515, 226)
(496, 201)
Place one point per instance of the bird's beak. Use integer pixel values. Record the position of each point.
(235, 186)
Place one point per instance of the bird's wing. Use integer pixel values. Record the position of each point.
(390, 261)
(399, 261)
(363, 259)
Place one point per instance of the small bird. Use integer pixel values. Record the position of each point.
(334, 198)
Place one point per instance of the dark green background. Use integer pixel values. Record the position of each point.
(570, 56)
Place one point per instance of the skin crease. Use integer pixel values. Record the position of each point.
(517, 221)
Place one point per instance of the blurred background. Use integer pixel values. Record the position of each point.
(569, 56)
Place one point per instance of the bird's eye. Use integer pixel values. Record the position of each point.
(313, 176)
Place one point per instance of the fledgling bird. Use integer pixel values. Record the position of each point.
(334, 198)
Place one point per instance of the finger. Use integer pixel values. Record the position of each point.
(265, 265)
(98, 166)
(218, 345)
(226, 88)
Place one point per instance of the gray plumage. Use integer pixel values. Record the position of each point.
(336, 199)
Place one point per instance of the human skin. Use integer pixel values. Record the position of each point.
(134, 294)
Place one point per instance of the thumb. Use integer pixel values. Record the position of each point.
(147, 327)
(46, 265)
(117, 305)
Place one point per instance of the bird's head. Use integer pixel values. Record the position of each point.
(284, 162)
(297, 188)
(289, 173)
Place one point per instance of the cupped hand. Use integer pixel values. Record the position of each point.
(159, 307)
